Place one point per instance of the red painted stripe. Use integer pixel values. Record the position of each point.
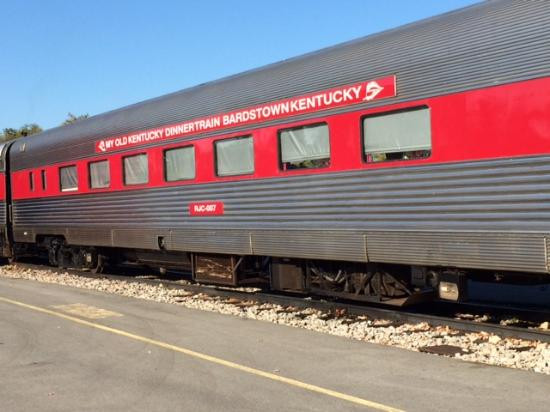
(498, 122)
(2, 186)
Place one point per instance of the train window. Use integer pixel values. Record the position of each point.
(31, 181)
(43, 176)
(100, 175)
(235, 156)
(179, 163)
(305, 147)
(136, 169)
(403, 135)
(68, 178)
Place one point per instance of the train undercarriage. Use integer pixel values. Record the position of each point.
(389, 284)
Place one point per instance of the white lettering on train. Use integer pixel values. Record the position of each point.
(331, 98)
(204, 208)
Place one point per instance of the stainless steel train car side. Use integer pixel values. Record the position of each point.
(487, 214)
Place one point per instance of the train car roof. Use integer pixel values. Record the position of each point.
(486, 44)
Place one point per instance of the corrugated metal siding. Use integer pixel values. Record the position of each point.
(327, 216)
(481, 250)
(85, 236)
(342, 245)
(3, 213)
(26, 234)
(212, 240)
(139, 238)
(492, 43)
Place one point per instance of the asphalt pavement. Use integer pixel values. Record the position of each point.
(66, 349)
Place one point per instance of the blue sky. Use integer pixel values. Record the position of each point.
(93, 56)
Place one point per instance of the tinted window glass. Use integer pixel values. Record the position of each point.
(397, 136)
(235, 156)
(179, 164)
(100, 176)
(305, 147)
(44, 183)
(136, 170)
(67, 178)
(31, 181)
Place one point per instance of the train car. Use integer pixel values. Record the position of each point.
(4, 202)
(393, 167)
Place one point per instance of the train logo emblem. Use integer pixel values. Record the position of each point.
(101, 146)
(372, 90)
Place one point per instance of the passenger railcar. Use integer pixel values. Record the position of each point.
(388, 167)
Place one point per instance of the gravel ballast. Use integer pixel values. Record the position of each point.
(474, 347)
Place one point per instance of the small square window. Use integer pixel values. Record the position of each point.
(235, 156)
(68, 178)
(100, 176)
(305, 147)
(136, 169)
(179, 164)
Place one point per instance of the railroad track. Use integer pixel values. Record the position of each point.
(395, 315)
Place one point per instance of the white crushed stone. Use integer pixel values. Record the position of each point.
(478, 347)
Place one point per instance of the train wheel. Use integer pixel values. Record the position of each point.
(100, 265)
(61, 258)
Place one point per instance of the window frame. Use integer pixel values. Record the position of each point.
(43, 179)
(165, 169)
(364, 155)
(31, 180)
(124, 169)
(90, 174)
(3, 151)
(245, 136)
(70, 189)
(302, 126)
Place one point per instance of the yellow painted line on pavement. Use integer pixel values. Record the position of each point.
(257, 372)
